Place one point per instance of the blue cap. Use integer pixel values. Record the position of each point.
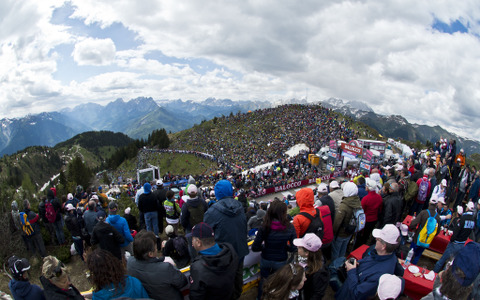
(468, 261)
(101, 214)
(147, 188)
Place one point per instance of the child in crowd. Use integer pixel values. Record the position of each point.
(285, 283)
(317, 275)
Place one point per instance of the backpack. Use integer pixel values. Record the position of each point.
(316, 223)
(357, 222)
(26, 226)
(196, 214)
(50, 212)
(16, 219)
(411, 191)
(427, 233)
(327, 224)
(422, 190)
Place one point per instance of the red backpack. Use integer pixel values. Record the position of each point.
(327, 224)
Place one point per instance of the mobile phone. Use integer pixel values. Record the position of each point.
(352, 260)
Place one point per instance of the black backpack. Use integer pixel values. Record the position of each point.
(316, 223)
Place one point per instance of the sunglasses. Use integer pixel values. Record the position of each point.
(57, 272)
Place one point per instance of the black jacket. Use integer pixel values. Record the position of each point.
(73, 225)
(275, 244)
(316, 284)
(53, 292)
(108, 237)
(161, 196)
(462, 227)
(147, 203)
(392, 209)
(212, 276)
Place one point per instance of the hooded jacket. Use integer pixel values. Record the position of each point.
(193, 206)
(227, 218)
(133, 289)
(25, 290)
(350, 202)
(121, 226)
(305, 203)
(160, 279)
(212, 276)
(108, 237)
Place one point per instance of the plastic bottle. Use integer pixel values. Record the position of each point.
(409, 257)
(414, 216)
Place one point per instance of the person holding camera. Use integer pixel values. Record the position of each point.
(363, 276)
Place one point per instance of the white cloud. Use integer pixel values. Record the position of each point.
(382, 52)
(96, 52)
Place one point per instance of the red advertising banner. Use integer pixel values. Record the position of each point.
(368, 155)
(333, 144)
(295, 184)
(353, 149)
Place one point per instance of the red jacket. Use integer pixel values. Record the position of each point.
(372, 205)
(305, 203)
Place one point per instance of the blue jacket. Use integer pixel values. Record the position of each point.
(362, 192)
(25, 290)
(227, 218)
(133, 289)
(362, 282)
(121, 226)
(276, 242)
(473, 195)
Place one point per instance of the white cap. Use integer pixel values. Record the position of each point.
(470, 205)
(69, 196)
(459, 210)
(371, 184)
(444, 182)
(389, 287)
(192, 189)
(334, 184)
(322, 188)
(169, 229)
(127, 210)
(441, 200)
(389, 233)
(159, 182)
(69, 207)
(434, 199)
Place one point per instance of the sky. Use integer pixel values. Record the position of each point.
(418, 59)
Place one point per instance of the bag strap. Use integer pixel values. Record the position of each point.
(309, 216)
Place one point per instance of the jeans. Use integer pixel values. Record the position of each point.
(58, 226)
(417, 252)
(267, 268)
(151, 221)
(339, 246)
(450, 252)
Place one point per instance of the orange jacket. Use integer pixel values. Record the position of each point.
(462, 159)
(305, 199)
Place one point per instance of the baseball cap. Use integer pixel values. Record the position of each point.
(322, 188)
(201, 230)
(334, 184)
(441, 200)
(159, 182)
(101, 214)
(444, 182)
(169, 229)
(470, 205)
(94, 197)
(147, 188)
(404, 229)
(69, 196)
(192, 189)
(468, 261)
(389, 233)
(310, 241)
(18, 266)
(69, 207)
(128, 210)
(434, 199)
(371, 184)
(390, 286)
(459, 209)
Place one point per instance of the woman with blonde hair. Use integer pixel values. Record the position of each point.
(56, 282)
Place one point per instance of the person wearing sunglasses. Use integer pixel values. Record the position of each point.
(56, 281)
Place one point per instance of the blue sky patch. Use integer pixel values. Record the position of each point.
(451, 28)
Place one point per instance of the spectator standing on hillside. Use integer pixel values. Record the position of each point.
(392, 206)
(121, 226)
(193, 212)
(325, 199)
(46, 223)
(305, 199)
(75, 228)
(336, 193)
(172, 210)
(147, 204)
(35, 239)
(350, 202)
(19, 285)
(372, 205)
(57, 218)
(90, 217)
(56, 281)
(424, 187)
(227, 218)
(107, 236)
(474, 189)
(161, 195)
